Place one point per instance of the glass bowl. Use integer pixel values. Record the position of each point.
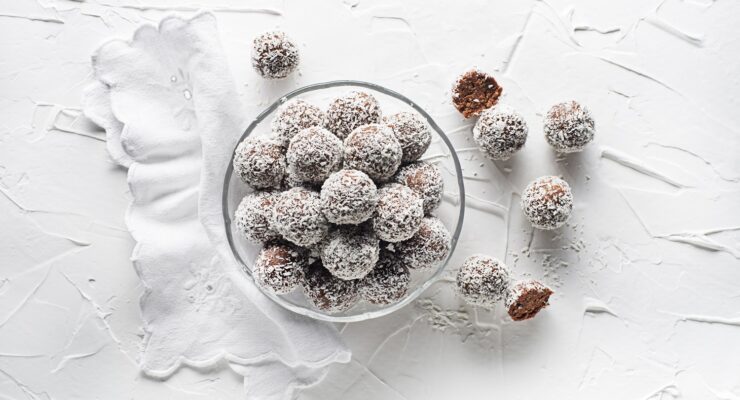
(451, 211)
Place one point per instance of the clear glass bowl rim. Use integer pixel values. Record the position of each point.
(455, 234)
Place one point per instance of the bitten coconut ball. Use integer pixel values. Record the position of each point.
(547, 202)
(253, 217)
(260, 163)
(429, 246)
(526, 298)
(475, 91)
(274, 55)
(279, 267)
(500, 132)
(425, 180)
(569, 127)
(313, 154)
(348, 112)
(398, 214)
(387, 283)
(293, 117)
(412, 133)
(348, 197)
(350, 252)
(327, 292)
(298, 217)
(374, 150)
(483, 280)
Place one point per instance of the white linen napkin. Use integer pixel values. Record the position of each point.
(172, 116)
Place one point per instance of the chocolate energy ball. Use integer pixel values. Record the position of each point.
(569, 127)
(425, 180)
(475, 91)
(387, 283)
(374, 150)
(327, 292)
(483, 280)
(526, 298)
(274, 55)
(313, 154)
(429, 246)
(279, 267)
(500, 132)
(412, 133)
(348, 112)
(348, 197)
(253, 217)
(398, 214)
(350, 252)
(298, 217)
(547, 202)
(260, 163)
(293, 117)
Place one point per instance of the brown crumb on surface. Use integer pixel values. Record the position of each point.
(526, 299)
(474, 92)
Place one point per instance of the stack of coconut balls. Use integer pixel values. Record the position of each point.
(547, 202)
(342, 205)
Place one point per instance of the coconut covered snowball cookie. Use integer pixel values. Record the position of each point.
(374, 150)
(313, 154)
(569, 127)
(348, 112)
(387, 283)
(483, 280)
(398, 213)
(547, 202)
(500, 132)
(279, 267)
(327, 292)
(274, 55)
(429, 246)
(348, 197)
(260, 163)
(412, 133)
(297, 216)
(475, 91)
(425, 180)
(253, 217)
(350, 252)
(293, 117)
(526, 298)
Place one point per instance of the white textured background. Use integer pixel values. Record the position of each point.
(647, 274)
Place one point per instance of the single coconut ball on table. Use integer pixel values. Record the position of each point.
(313, 154)
(274, 55)
(350, 252)
(374, 150)
(260, 162)
(569, 127)
(412, 132)
(398, 214)
(425, 180)
(483, 280)
(297, 216)
(527, 298)
(293, 117)
(429, 246)
(388, 282)
(327, 292)
(279, 267)
(348, 196)
(347, 113)
(547, 202)
(253, 217)
(475, 91)
(500, 132)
